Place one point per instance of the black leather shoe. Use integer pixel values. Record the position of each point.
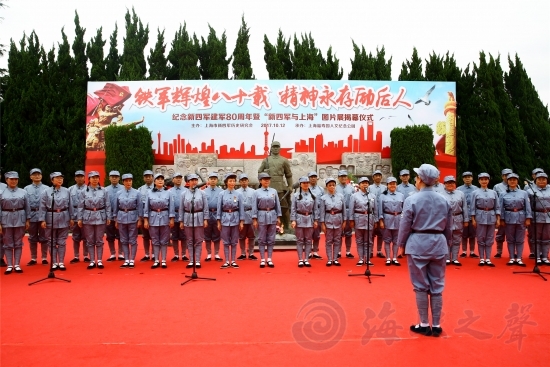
(463, 254)
(300, 264)
(8, 270)
(424, 330)
(190, 265)
(380, 255)
(531, 255)
(185, 258)
(112, 258)
(217, 258)
(144, 258)
(488, 263)
(472, 254)
(307, 264)
(388, 262)
(125, 265)
(396, 263)
(121, 258)
(74, 261)
(242, 257)
(208, 259)
(329, 263)
(399, 256)
(86, 259)
(31, 263)
(91, 266)
(100, 265)
(349, 255)
(44, 262)
(175, 258)
(17, 269)
(197, 265)
(155, 265)
(62, 267)
(318, 257)
(336, 263)
(436, 331)
(456, 263)
(498, 256)
(163, 265)
(252, 257)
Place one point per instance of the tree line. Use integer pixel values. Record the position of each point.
(501, 121)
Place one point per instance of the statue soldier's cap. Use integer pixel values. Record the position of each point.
(404, 172)
(127, 175)
(391, 179)
(449, 179)
(427, 173)
(11, 174)
(541, 174)
(93, 174)
(377, 172)
(263, 175)
(55, 174)
(177, 174)
(243, 176)
(275, 144)
(342, 173)
(192, 176)
(312, 173)
(229, 175)
(34, 170)
(537, 170)
(304, 179)
(213, 174)
(148, 172)
(467, 173)
(330, 179)
(506, 171)
(159, 175)
(512, 175)
(484, 174)
(80, 173)
(363, 179)
(114, 173)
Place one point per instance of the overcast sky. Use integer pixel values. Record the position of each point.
(464, 27)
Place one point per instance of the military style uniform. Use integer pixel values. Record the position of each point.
(317, 191)
(390, 207)
(485, 209)
(376, 190)
(15, 212)
(363, 211)
(193, 212)
(178, 234)
(211, 233)
(2, 187)
(230, 213)
(346, 191)
(61, 214)
(501, 188)
(75, 191)
(144, 191)
(159, 209)
(516, 208)
(469, 232)
(266, 208)
(248, 229)
(332, 212)
(128, 210)
(424, 231)
(111, 232)
(304, 211)
(541, 211)
(461, 216)
(36, 232)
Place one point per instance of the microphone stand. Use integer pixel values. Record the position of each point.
(536, 269)
(194, 275)
(51, 274)
(367, 273)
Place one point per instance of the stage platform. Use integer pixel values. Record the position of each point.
(269, 317)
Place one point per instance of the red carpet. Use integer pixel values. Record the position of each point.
(252, 316)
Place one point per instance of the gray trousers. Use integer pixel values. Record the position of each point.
(160, 236)
(515, 238)
(128, 239)
(93, 233)
(266, 238)
(179, 240)
(454, 246)
(379, 234)
(390, 236)
(363, 244)
(485, 234)
(230, 238)
(428, 280)
(112, 234)
(247, 233)
(13, 244)
(146, 241)
(195, 236)
(333, 242)
(500, 238)
(543, 239)
(60, 242)
(303, 241)
(77, 238)
(347, 233)
(316, 236)
(38, 234)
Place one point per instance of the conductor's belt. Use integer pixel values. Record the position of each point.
(427, 231)
(485, 209)
(393, 213)
(13, 210)
(159, 210)
(304, 213)
(363, 211)
(94, 209)
(191, 212)
(333, 211)
(266, 210)
(515, 210)
(57, 210)
(128, 210)
(546, 210)
(455, 214)
(230, 210)
(213, 210)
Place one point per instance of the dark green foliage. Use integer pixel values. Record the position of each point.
(330, 68)
(183, 57)
(94, 51)
(412, 70)
(407, 155)
(368, 67)
(128, 150)
(112, 62)
(242, 66)
(133, 65)
(212, 57)
(158, 67)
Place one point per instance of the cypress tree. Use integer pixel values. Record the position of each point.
(382, 67)
(362, 65)
(434, 68)
(112, 61)
(306, 59)
(412, 70)
(133, 65)
(94, 51)
(242, 66)
(330, 69)
(183, 56)
(275, 68)
(212, 57)
(158, 67)
(405, 155)
(533, 114)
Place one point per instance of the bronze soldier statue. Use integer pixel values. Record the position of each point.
(279, 167)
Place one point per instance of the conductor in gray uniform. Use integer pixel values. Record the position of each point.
(424, 231)
(36, 232)
(376, 189)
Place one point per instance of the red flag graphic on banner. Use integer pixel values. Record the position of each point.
(113, 94)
